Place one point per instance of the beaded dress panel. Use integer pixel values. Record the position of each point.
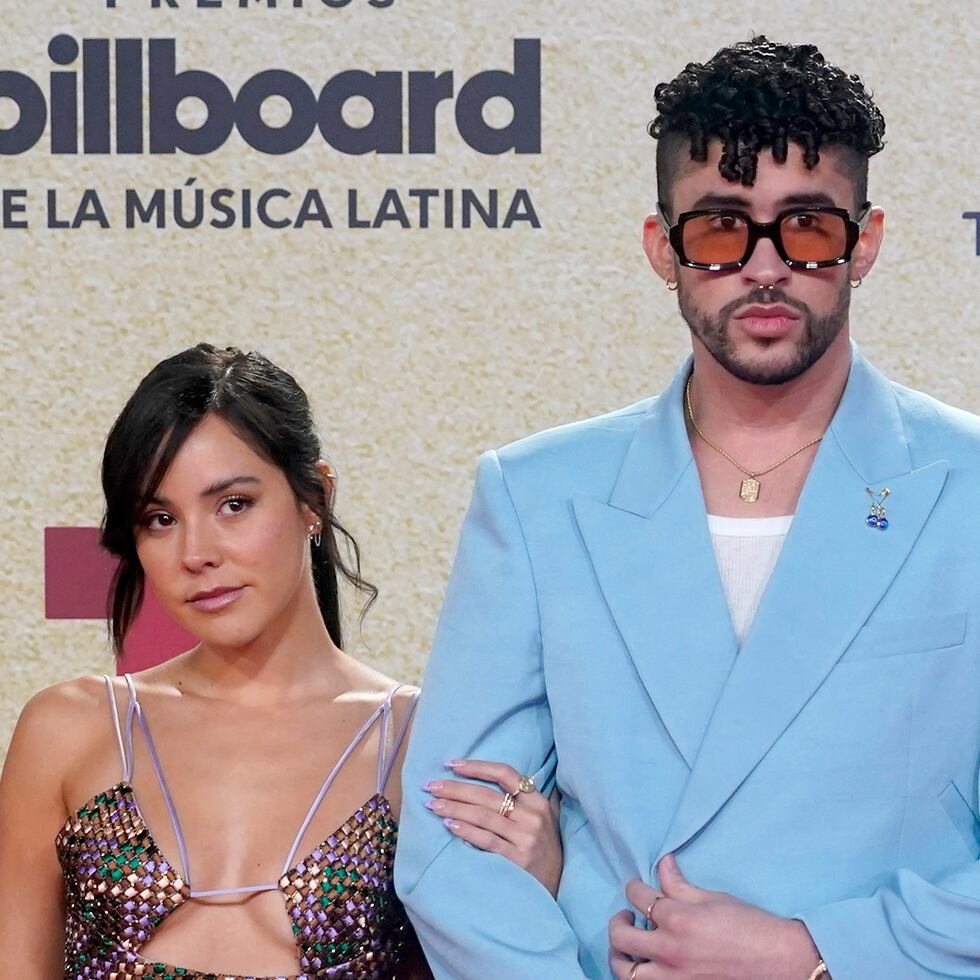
(345, 917)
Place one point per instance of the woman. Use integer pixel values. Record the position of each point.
(188, 843)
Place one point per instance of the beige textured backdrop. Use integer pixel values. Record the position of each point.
(422, 348)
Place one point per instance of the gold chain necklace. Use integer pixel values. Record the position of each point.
(750, 486)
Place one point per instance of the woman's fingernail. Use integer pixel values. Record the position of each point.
(433, 786)
(437, 805)
(453, 825)
(455, 763)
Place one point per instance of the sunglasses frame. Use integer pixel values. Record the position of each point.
(765, 229)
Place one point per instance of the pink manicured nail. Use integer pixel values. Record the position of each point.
(436, 805)
(453, 825)
(455, 763)
(433, 786)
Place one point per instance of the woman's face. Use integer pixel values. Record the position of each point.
(223, 542)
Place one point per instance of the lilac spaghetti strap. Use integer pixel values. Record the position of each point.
(242, 890)
(126, 763)
(383, 736)
(328, 782)
(396, 744)
(130, 711)
(135, 708)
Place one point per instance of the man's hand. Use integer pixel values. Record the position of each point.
(702, 935)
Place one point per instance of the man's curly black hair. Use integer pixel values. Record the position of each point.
(758, 94)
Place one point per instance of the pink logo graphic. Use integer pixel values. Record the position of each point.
(77, 575)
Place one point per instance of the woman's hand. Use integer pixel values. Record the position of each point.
(527, 835)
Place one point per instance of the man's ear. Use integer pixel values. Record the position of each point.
(869, 244)
(658, 249)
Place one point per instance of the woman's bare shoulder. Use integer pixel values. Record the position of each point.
(374, 684)
(77, 696)
(406, 696)
(402, 695)
(62, 719)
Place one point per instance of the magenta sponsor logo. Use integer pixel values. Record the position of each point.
(77, 576)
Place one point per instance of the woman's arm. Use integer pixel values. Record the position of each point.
(32, 810)
(528, 835)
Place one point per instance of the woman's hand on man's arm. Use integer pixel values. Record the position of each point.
(527, 835)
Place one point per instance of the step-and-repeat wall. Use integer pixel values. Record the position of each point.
(429, 212)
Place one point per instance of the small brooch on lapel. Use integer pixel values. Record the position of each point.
(877, 518)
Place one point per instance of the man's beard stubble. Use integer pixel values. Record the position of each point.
(818, 334)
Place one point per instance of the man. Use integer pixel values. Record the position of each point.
(780, 787)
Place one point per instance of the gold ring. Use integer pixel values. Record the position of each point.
(632, 974)
(526, 785)
(507, 804)
(650, 908)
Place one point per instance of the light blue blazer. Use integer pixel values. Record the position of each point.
(826, 770)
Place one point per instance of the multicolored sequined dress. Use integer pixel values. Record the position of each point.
(345, 916)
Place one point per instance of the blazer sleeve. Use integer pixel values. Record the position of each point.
(478, 915)
(913, 928)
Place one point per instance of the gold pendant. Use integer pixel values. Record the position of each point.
(749, 490)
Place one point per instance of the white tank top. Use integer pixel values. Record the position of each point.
(746, 549)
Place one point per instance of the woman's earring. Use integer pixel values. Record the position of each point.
(671, 284)
(316, 532)
(856, 282)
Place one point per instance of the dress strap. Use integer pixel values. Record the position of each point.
(388, 753)
(384, 735)
(135, 709)
(131, 705)
(127, 766)
(328, 782)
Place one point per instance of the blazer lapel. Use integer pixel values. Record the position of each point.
(652, 555)
(831, 574)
